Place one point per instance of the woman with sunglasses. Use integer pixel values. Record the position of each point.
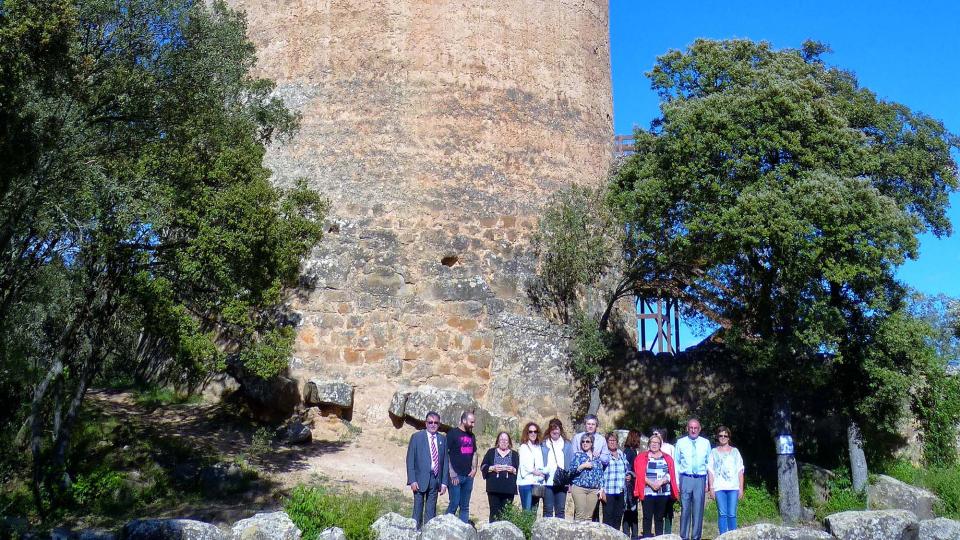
(532, 470)
(725, 472)
(499, 469)
(587, 472)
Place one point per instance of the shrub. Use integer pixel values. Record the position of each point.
(315, 508)
(523, 519)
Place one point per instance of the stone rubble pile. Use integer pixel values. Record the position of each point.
(856, 525)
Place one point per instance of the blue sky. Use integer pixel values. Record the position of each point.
(904, 51)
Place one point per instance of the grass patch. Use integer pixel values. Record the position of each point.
(523, 519)
(154, 397)
(758, 505)
(840, 495)
(314, 508)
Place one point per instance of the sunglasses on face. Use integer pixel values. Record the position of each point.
(432, 422)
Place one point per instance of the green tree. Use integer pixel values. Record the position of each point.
(777, 196)
(136, 217)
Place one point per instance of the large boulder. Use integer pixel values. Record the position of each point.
(265, 526)
(874, 525)
(819, 479)
(939, 529)
(332, 533)
(499, 530)
(221, 479)
(766, 531)
(317, 392)
(449, 404)
(393, 526)
(447, 526)
(170, 529)
(562, 529)
(886, 493)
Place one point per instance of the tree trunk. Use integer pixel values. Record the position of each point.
(858, 461)
(788, 480)
(594, 396)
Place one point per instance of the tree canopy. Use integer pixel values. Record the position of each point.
(776, 196)
(136, 218)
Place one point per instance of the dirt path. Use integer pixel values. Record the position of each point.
(367, 460)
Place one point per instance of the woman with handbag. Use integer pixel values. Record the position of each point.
(586, 471)
(499, 469)
(532, 470)
(557, 453)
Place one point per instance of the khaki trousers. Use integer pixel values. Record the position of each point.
(584, 502)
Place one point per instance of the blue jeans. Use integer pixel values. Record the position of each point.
(727, 507)
(527, 500)
(555, 501)
(460, 498)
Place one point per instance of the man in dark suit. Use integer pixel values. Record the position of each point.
(427, 469)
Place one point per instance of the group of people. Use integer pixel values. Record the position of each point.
(626, 482)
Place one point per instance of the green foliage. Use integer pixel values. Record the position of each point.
(936, 405)
(138, 225)
(523, 519)
(315, 508)
(102, 490)
(591, 346)
(154, 397)
(574, 241)
(759, 505)
(840, 495)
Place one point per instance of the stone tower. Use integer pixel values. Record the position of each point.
(437, 128)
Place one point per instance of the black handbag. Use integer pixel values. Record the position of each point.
(561, 477)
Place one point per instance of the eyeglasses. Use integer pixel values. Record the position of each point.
(432, 422)
(723, 436)
(586, 442)
(532, 431)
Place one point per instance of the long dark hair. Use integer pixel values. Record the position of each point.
(556, 423)
(525, 436)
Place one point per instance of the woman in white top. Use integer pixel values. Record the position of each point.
(532, 469)
(557, 454)
(725, 471)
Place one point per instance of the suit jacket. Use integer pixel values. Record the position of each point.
(419, 462)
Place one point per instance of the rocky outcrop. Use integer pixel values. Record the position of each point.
(447, 527)
(939, 529)
(766, 531)
(170, 529)
(265, 526)
(886, 493)
(564, 529)
(336, 393)
(874, 525)
(393, 526)
(332, 533)
(414, 404)
(499, 530)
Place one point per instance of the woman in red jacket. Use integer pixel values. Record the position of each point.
(658, 484)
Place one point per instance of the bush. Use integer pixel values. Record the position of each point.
(758, 505)
(315, 508)
(161, 397)
(523, 519)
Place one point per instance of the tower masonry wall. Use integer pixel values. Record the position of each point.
(437, 129)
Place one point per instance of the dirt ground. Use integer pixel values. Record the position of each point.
(370, 459)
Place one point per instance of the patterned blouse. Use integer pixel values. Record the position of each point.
(587, 478)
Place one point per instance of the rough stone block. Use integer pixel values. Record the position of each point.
(886, 493)
(874, 525)
(318, 392)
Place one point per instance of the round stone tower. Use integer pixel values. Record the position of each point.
(437, 129)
